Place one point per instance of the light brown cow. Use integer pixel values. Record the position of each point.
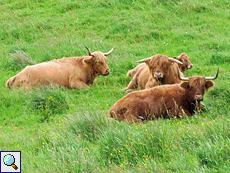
(184, 58)
(163, 101)
(73, 72)
(159, 69)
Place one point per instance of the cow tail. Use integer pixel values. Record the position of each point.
(10, 82)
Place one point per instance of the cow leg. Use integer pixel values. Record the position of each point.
(132, 84)
(198, 107)
(180, 112)
(23, 80)
(130, 117)
(78, 84)
(187, 113)
(151, 83)
(124, 114)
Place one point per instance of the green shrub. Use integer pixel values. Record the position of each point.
(19, 60)
(89, 125)
(48, 102)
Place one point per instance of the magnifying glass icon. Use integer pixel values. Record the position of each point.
(9, 160)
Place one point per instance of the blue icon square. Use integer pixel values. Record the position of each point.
(10, 161)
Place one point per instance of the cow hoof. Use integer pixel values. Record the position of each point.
(124, 89)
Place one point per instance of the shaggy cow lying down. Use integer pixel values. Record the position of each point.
(178, 100)
(73, 72)
(159, 70)
(184, 58)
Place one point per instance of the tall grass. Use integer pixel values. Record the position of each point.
(63, 130)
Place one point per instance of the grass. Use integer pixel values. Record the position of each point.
(63, 130)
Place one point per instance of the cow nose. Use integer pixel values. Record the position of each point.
(199, 97)
(107, 71)
(158, 75)
(190, 66)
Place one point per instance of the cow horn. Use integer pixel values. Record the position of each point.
(143, 60)
(212, 78)
(106, 54)
(175, 60)
(90, 54)
(181, 78)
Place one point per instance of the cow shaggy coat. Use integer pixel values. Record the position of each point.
(74, 72)
(159, 70)
(162, 101)
(184, 58)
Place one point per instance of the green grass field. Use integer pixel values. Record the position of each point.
(63, 130)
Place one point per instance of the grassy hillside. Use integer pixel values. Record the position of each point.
(61, 130)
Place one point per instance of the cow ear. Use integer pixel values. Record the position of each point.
(185, 85)
(178, 58)
(88, 60)
(208, 84)
(175, 57)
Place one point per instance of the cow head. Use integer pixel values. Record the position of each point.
(197, 85)
(184, 58)
(99, 62)
(159, 65)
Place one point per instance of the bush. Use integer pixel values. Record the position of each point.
(48, 102)
(19, 60)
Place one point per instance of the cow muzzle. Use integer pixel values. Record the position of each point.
(158, 75)
(199, 97)
(190, 66)
(106, 72)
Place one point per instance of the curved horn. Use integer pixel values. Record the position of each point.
(175, 60)
(143, 60)
(212, 78)
(178, 72)
(90, 54)
(106, 54)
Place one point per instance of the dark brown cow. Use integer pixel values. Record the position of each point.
(74, 72)
(163, 101)
(159, 69)
(184, 58)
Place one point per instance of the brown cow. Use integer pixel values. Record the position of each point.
(159, 69)
(73, 72)
(184, 58)
(163, 101)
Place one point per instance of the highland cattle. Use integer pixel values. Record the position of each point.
(163, 101)
(159, 70)
(184, 58)
(73, 72)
